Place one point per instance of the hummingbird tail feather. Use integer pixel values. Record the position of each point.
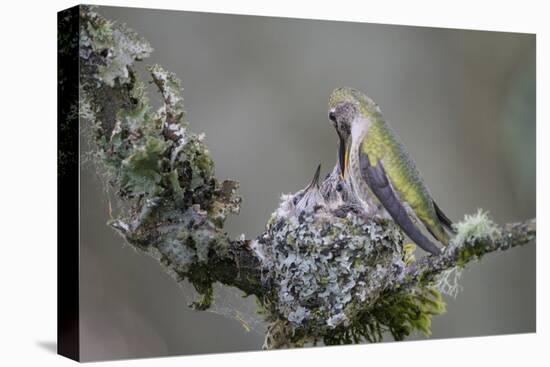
(438, 233)
(444, 219)
(376, 178)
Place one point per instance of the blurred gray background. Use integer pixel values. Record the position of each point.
(463, 102)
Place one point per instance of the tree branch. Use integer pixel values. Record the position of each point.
(471, 248)
(322, 270)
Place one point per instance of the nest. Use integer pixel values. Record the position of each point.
(329, 265)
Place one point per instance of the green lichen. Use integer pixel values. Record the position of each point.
(408, 311)
(473, 234)
(118, 46)
(141, 172)
(162, 171)
(206, 292)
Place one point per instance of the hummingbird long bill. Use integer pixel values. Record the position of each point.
(376, 165)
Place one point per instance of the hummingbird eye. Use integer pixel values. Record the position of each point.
(332, 116)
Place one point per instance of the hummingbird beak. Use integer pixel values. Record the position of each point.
(342, 144)
(342, 154)
(315, 180)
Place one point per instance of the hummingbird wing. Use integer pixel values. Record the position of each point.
(383, 147)
(375, 176)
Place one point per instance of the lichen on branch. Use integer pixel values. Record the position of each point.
(161, 170)
(322, 271)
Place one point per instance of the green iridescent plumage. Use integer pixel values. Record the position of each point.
(381, 144)
(366, 137)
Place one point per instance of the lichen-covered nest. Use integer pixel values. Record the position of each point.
(329, 266)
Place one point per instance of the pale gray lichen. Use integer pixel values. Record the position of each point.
(118, 45)
(322, 270)
(473, 234)
(475, 227)
(320, 263)
(171, 90)
(175, 207)
(447, 282)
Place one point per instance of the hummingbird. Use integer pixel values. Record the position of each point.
(310, 198)
(379, 170)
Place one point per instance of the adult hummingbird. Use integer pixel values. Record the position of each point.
(379, 169)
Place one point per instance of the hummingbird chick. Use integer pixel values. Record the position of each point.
(338, 195)
(310, 199)
(335, 190)
(376, 166)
